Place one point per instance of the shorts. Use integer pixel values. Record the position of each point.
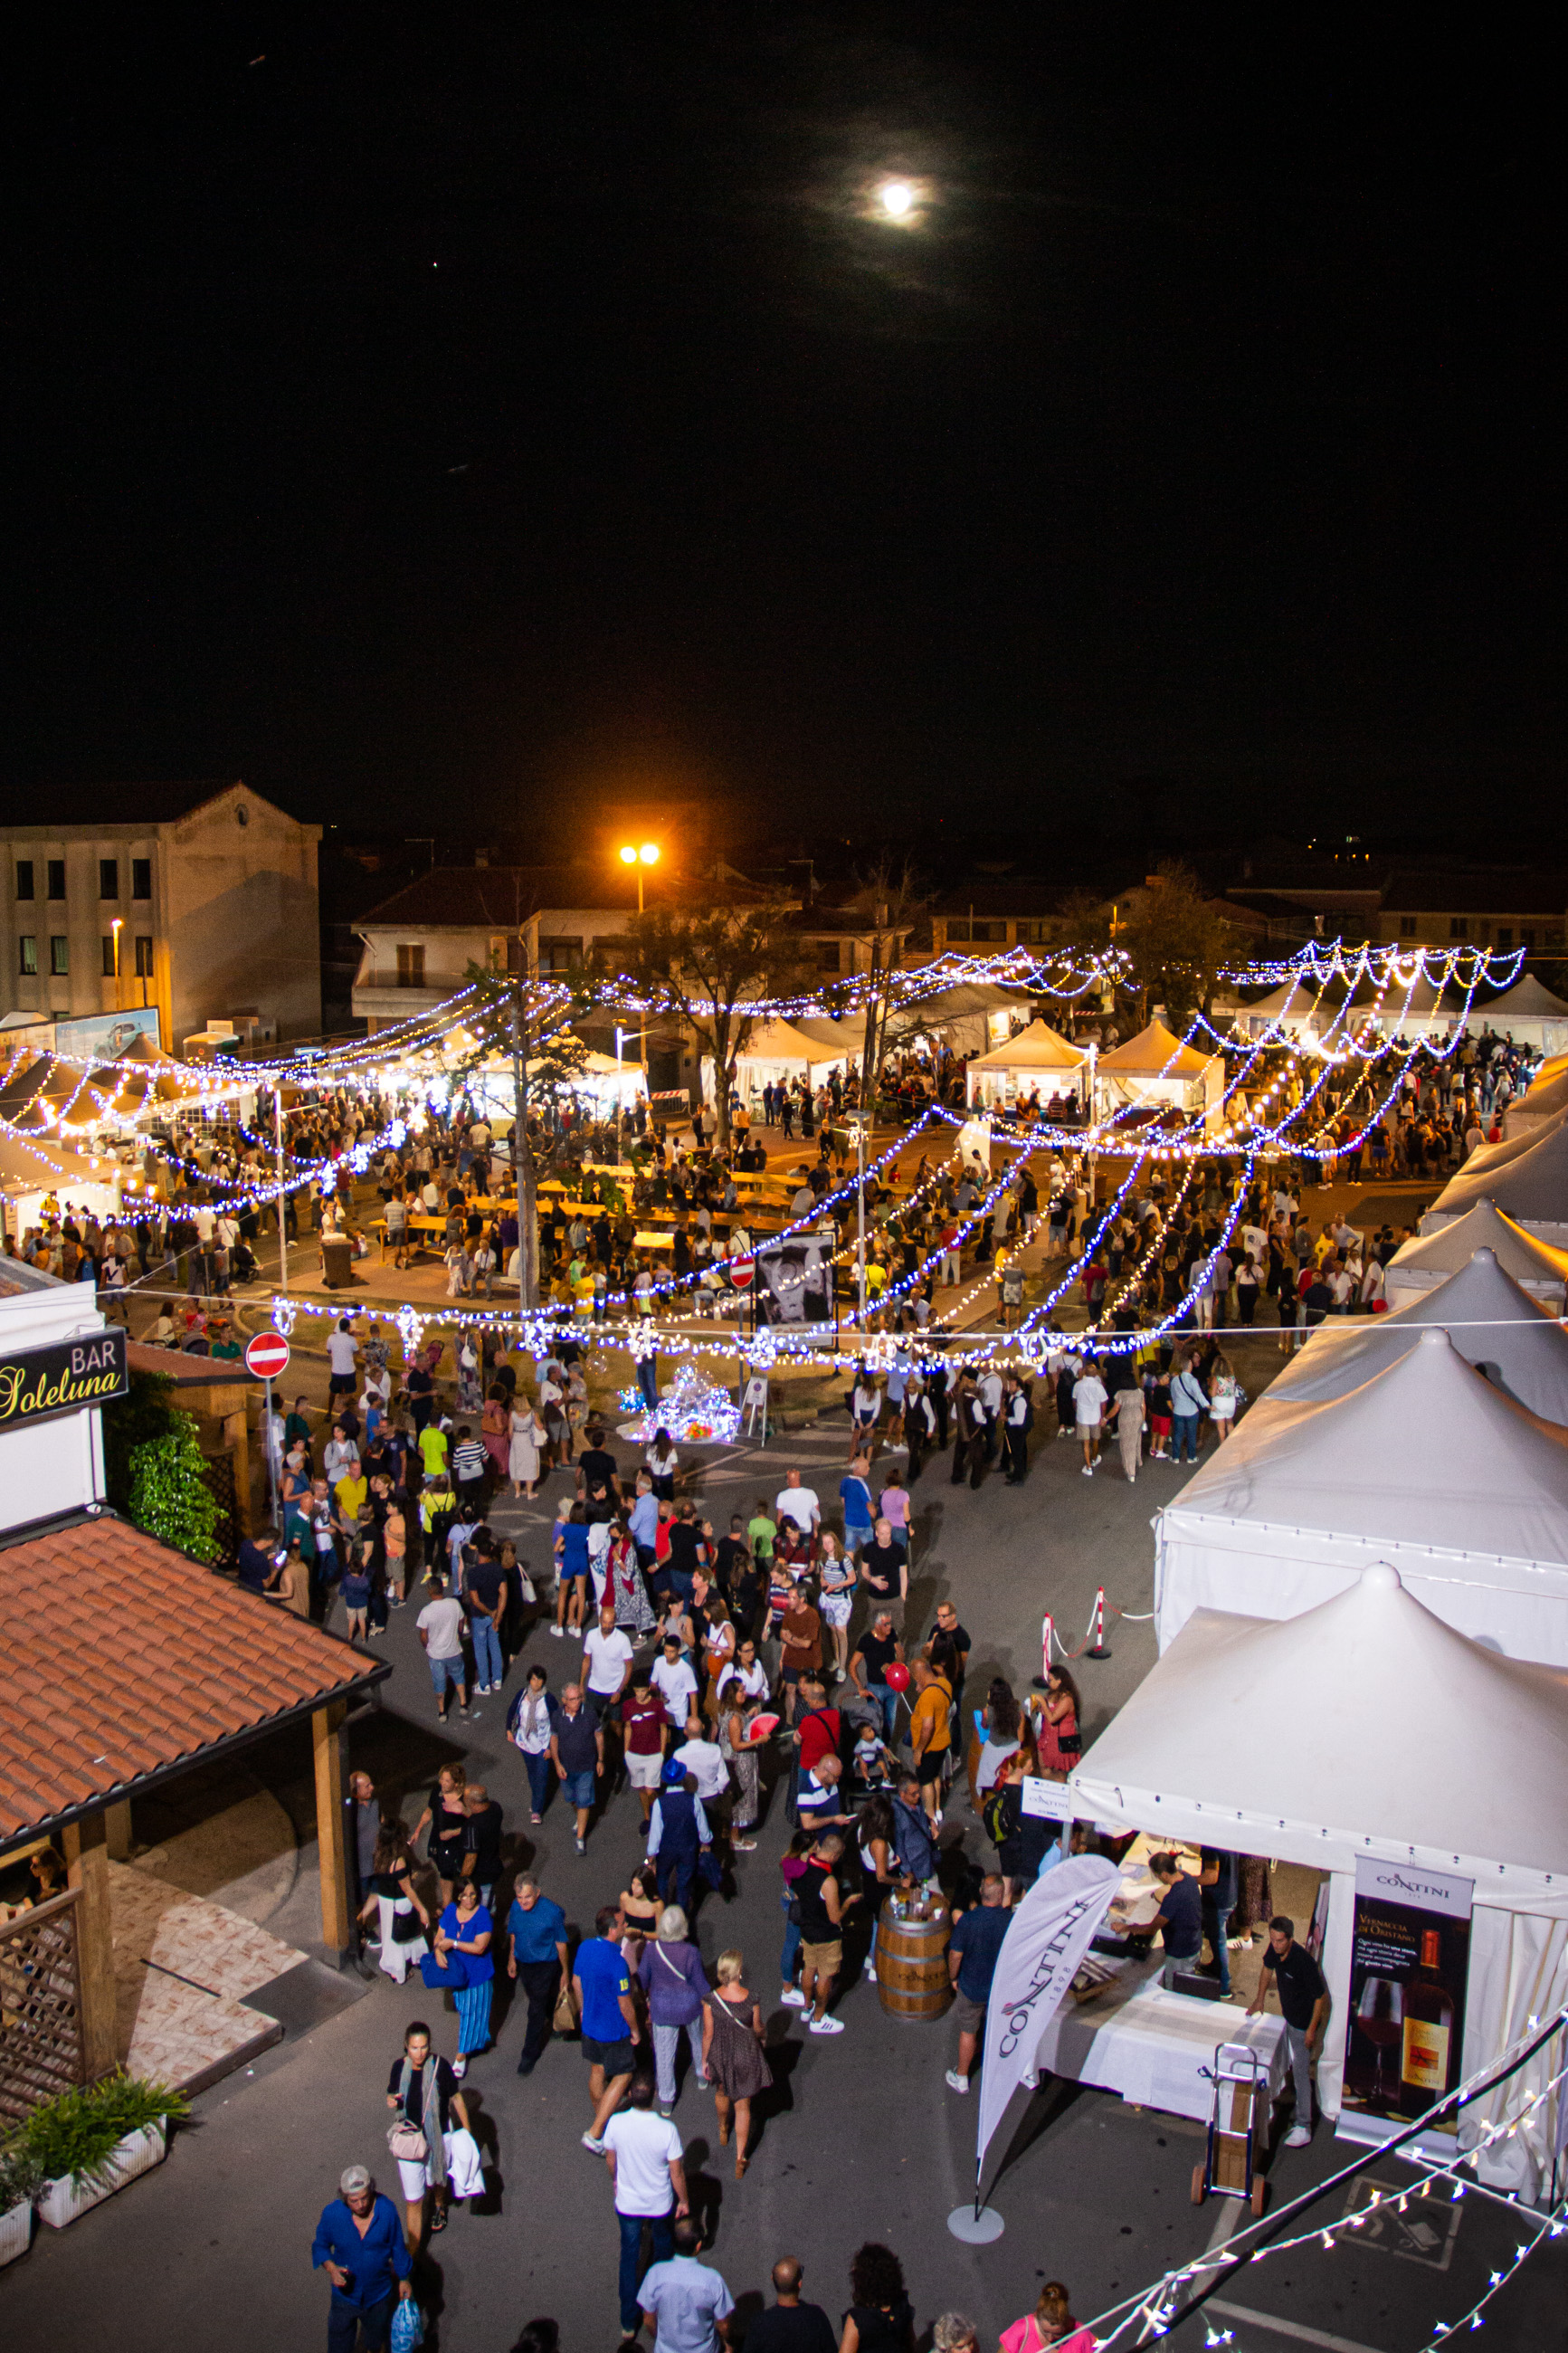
(642, 1772)
(1088, 1429)
(1160, 1425)
(825, 1959)
(445, 1672)
(342, 1385)
(578, 1788)
(615, 2058)
(932, 1767)
(969, 2015)
(835, 1608)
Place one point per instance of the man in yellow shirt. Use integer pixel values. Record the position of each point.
(929, 1735)
(433, 1450)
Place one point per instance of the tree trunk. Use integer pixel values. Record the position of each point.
(723, 1073)
(524, 1175)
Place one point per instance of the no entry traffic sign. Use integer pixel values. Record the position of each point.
(268, 1356)
(740, 1273)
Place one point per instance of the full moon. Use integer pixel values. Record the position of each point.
(897, 199)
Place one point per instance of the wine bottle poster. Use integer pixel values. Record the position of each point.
(1410, 1960)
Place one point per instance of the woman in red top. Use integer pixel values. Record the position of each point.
(1057, 1739)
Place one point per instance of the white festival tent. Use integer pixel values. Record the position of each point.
(1307, 1008)
(1532, 1190)
(776, 1051)
(1424, 1010)
(1421, 1264)
(1531, 1016)
(1036, 1057)
(1487, 1156)
(1426, 1465)
(1364, 1677)
(32, 1170)
(1522, 1350)
(1541, 1107)
(1156, 1070)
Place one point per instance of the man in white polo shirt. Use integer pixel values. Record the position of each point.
(1089, 1400)
(800, 1504)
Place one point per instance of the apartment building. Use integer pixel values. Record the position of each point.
(1489, 907)
(418, 944)
(198, 901)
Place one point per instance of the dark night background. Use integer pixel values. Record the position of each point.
(463, 409)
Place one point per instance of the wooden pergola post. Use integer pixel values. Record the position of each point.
(326, 1741)
(87, 1871)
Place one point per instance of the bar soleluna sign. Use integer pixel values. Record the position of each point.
(62, 1379)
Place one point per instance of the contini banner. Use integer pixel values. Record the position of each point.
(1410, 1960)
(1048, 1937)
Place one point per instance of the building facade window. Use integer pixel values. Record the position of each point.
(144, 956)
(827, 955)
(56, 878)
(559, 955)
(411, 964)
(109, 878)
(140, 877)
(109, 955)
(977, 927)
(29, 947)
(60, 955)
(1407, 927)
(1035, 932)
(1505, 935)
(1458, 927)
(24, 878)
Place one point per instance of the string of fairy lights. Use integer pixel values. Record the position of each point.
(1155, 2309)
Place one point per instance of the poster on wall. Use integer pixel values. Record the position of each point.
(107, 1034)
(795, 1279)
(1410, 1959)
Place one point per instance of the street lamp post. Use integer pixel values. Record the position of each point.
(640, 856)
(116, 927)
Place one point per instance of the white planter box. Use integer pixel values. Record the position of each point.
(15, 2234)
(138, 2152)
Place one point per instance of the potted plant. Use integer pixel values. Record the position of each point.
(21, 2182)
(90, 2142)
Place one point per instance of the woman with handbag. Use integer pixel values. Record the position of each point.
(670, 1973)
(460, 1964)
(429, 2120)
(1050, 2323)
(447, 1817)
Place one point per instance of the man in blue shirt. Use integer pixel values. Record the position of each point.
(1180, 1917)
(360, 2244)
(538, 1931)
(688, 2304)
(971, 1953)
(603, 1986)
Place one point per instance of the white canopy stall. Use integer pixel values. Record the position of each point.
(1532, 1189)
(1421, 1264)
(778, 1051)
(1156, 1069)
(1531, 1016)
(1426, 1465)
(1494, 1325)
(30, 1171)
(1538, 1108)
(1419, 1011)
(967, 1018)
(1036, 1057)
(1366, 1678)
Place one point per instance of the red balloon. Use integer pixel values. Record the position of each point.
(898, 1676)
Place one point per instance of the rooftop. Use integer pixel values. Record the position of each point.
(121, 1660)
(1487, 891)
(77, 806)
(493, 898)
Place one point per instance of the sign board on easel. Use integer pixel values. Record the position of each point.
(755, 1405)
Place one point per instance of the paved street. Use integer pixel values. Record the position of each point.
(862, 2139)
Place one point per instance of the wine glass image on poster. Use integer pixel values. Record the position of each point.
(794, 1280)
(1410, 1959)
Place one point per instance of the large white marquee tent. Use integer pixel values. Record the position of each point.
(1532, 1189)
(1535, 1266)
(1494, 1325)
(1156, 1071)
(1531, 1016)
(1361, 1685)
(1426, 1465)
(1036, 1057)
(1541, 1107)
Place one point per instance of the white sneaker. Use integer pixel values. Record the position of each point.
(792, 1998)
(596, 2146)
(955, 2082)
(826, 2025)
(1298, 2136)
(1088, 1470)
(558, 1633)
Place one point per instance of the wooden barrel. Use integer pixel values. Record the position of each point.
(912, 1964)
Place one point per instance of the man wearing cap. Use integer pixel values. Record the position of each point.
(678, 1833)
(360, 2244)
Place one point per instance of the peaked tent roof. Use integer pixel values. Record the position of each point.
(1426, 1452)
(1532, 1190)
(1183, 1755)
(1037, 1048)
(1500, 1155)
(781, 1041)
(1527, 1000)
(1490, 1321)
(1454, 1245)
(1154, 1053)
(1546, 1100)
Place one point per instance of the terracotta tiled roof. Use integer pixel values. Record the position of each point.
(120, 1657)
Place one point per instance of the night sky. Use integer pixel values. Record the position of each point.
(458, 410)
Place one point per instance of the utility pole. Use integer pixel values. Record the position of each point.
(282, 1193)
(522, 1171)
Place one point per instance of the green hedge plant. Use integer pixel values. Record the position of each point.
(76, 2133)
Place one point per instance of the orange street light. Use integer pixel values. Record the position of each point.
(115, 927)
(647, 855)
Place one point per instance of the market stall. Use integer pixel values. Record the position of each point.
(1410, 1831)
(1036, 1057)
(1156, 1070)
(1420, 1264)
(1531, 1016)
(1426, 1465)
(33, 1172)
(778, 1053)
(1495, 1326)
(1542, 1104)
(1532, 1189)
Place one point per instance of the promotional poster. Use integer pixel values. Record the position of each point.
(1409, 1974)
(795, 1279)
